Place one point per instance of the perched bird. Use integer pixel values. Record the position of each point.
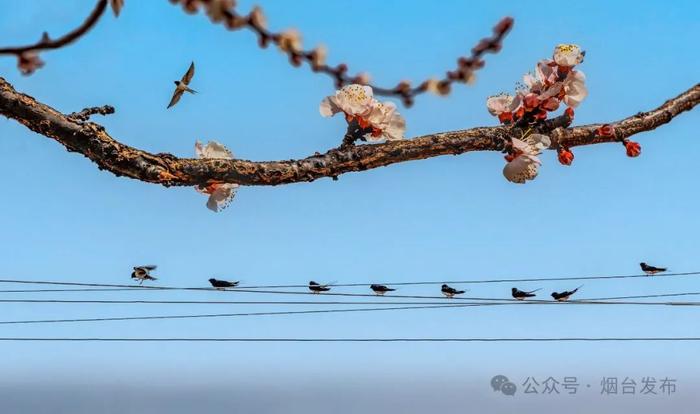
(522, 295)
(651, 270)
(450, 291)
(381, 289)
(318, 288)
(181, 86)
(565, 295)
(143, 273)
(222, 284)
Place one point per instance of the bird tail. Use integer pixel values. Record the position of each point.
(533, 291)
(150, 278)
(190, 90)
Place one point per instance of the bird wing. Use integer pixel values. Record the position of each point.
(149, 267)
(176, 97)
(188, 76)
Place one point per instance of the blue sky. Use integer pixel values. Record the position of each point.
(437, 219)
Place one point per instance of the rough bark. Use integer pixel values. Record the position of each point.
(91, 140)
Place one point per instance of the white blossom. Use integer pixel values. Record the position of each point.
(568, 55)
(525, 164)
(386, 122)
(522, 168)
(502, 103)
(353, 100)
(220, 194)
(574, 88)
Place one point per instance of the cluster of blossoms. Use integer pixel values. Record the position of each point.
(377, 121)
(220, 194)
(554, 82)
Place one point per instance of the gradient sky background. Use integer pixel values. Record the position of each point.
(438, 219)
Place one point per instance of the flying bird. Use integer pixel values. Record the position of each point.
(142, 273)
(317, 287)
(381, 289)
(565, 295)
(450, 292)
(651, 270)
(522, 295)
(182, 86)
(222, 284)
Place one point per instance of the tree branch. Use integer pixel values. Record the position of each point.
(91, 140)
(86, 113)
(224, 11)
(25, 53)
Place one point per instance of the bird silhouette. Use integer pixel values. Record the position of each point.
(522, 295)
(565, 295)
(142, 273)
(450, 292)
(182, 86)
(317, 287)
(381, 289)
(222, 284)
(651, 270)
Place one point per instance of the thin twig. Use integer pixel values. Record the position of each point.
(28, 61)
(224, 12)
(85, 114)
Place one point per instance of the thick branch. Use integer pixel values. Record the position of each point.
(91, 140)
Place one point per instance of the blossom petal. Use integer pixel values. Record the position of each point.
(522, 169)
(222, 197)
(499, 104)
(568, 55)
(385, 117)
(328, 107)
(213, 149)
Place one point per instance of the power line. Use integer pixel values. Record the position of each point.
(226, 315)
(596, 301)
(563, 339)
(661, 295)
(507, 280)
(62, 290)
(212, 302)
(240, 290)
(538, 279)
(278, 313)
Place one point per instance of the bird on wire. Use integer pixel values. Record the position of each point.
(380, 290)
(651, 270)
(142, 273)
(222, 284)
(522, 295)
(565, 295)
(318, 288)
(450, 292)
